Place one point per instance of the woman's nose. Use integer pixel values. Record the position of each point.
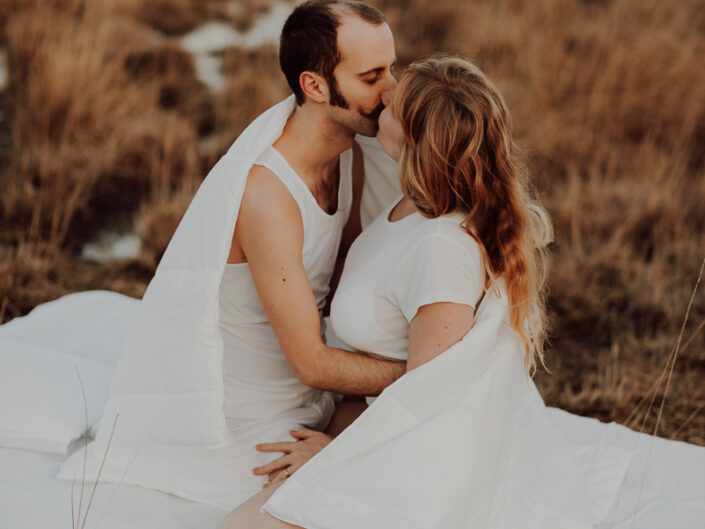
(392, 82)
(387, 97)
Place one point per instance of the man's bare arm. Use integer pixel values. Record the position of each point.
(269, 232)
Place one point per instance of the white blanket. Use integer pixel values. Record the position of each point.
(663, 488)
(167, 393)
(32, 498)
(168, 387)
(462, 441)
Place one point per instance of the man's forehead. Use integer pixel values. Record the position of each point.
(365, 47)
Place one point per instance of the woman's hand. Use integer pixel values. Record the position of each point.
(296, 453)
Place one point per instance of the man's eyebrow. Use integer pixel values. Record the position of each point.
(377, 70)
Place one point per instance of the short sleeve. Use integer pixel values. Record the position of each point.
(437, 269)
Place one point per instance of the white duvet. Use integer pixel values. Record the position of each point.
(31, 497)
(168, 386)
(664, 487)
(462, 441)
(166, 400)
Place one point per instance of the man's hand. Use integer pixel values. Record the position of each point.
(296, 453)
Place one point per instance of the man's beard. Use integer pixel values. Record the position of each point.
(368, 121)
(338, 100)
(374, 114)
(368, 126)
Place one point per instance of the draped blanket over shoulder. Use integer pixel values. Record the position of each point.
(167, 393)
(462, 441)
(168, 387)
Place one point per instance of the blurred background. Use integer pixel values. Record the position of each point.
(113, 111)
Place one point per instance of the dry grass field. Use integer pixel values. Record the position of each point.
(104, 124)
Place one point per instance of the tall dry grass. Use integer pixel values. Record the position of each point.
(111, 128)
(607, 98)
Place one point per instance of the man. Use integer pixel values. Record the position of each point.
(226, 351)
(337, 58)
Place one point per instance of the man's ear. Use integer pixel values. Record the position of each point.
(314, 87)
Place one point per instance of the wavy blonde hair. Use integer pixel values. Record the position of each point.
(459, 155)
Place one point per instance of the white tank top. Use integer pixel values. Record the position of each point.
(259, 384)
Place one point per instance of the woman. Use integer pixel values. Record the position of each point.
(466, 229)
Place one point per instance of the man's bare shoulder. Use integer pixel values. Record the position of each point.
(266, 198)
(268, 219)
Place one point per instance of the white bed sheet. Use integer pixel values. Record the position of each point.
(31, 497)
(664, 489)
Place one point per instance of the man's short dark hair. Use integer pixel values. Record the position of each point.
(309, 41)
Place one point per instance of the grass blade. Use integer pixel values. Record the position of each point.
(100, 470)
(85, 446)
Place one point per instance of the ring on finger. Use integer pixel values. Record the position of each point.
(286, 471)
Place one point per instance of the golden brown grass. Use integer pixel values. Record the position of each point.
(110, 127)
(606, 97)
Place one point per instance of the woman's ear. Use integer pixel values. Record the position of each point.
(314, 87)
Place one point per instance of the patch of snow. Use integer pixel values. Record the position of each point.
(3, 68)
(207, 42)
(268, 27)
(212, 37)
(112, 246)
(209, 70)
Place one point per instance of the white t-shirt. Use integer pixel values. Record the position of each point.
(392, 269)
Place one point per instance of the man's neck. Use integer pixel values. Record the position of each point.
(313, 145)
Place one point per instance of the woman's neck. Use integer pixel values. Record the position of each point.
(403, 209)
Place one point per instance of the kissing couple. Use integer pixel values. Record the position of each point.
(403, 209)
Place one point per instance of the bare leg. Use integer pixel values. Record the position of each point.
(345, 413)
(247, 515)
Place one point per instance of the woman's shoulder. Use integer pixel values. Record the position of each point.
(442, 263)
(448, 228)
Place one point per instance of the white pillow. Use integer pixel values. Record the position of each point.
(41, 406)
(41, 402)
(91, 324)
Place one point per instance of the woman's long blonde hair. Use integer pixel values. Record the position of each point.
(459, 155)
